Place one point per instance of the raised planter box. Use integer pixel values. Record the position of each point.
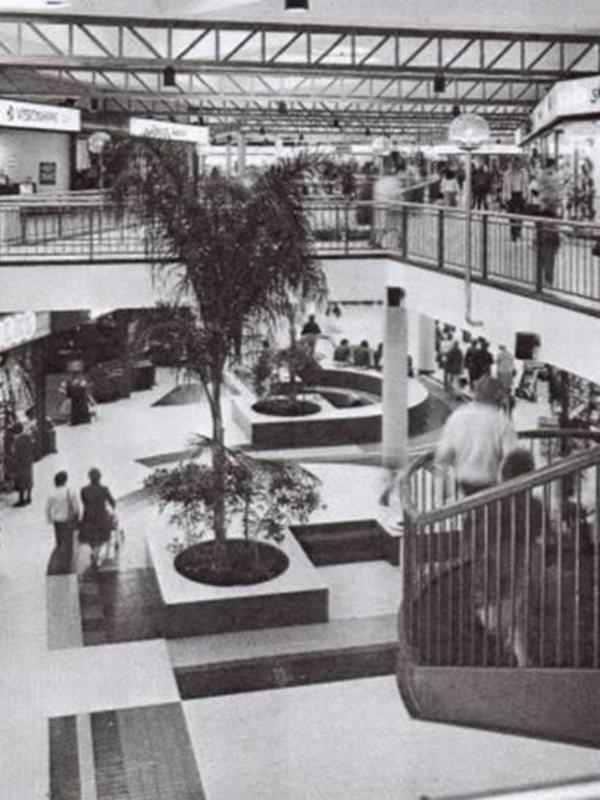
(330, 426)
(297, 597)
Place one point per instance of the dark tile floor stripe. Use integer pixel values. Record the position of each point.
(64, 759)
(119, 606)
(111, 782)
(276, 672)
(158, 756)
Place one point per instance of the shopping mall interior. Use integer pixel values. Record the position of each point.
(266, 269)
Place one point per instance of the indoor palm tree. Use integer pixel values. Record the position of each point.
(240, 252)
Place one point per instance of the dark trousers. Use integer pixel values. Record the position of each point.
(63, 534)
(480, 199)
(516, 204)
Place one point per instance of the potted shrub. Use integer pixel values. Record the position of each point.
(284, 398)
(260, 498)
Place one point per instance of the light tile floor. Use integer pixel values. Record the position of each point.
(354, 739)
(367, 589)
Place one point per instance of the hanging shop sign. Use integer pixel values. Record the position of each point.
(173, 131)
(17, 329)
(15, 114)
(573, 98)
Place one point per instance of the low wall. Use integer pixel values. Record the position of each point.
(329, 427)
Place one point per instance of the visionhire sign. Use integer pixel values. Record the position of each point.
(175, 131)
(15, 114)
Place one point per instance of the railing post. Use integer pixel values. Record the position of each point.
(440, 238)
(484, 246)
(346, 226)
(539, 261)
(91, 231)
(404, 231)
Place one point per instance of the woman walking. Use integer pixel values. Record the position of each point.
(62, 511)
(22, 452)
(98, 519)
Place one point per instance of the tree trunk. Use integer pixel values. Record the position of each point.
(218, 464)
(291, 366)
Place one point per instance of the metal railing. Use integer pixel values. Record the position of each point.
(73, 225)
(532, 254)
(509, 576)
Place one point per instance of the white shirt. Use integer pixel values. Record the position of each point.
(476, 439)
(62, 505)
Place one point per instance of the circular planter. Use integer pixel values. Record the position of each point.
(237, 562)
(286, 407)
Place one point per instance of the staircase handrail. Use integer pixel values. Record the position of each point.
(522, 483)
(497, 492)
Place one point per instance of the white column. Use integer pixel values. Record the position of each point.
(395, 380)
(228, 159)
(241, 153)
(426, 344)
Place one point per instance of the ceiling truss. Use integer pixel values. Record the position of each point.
(307, 74)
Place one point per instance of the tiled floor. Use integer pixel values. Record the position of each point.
(45, 672)
(367, 589)
(355, 739)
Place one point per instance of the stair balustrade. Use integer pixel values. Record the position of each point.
(509, 576)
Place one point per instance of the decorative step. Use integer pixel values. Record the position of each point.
(245, 662)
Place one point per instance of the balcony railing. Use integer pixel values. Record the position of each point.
(536, 255)
(509, 576)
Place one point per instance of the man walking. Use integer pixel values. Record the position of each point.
(476, 438)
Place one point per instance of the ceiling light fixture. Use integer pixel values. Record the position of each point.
(296, 5)
(439, 83)
(169, 76)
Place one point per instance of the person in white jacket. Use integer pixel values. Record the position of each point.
(62, 511)
(476, 438)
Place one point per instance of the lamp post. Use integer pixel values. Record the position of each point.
(469, 132)
(97, 141)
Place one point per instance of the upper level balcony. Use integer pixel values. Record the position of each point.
(549, 259)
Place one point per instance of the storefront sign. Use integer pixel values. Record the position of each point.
(15, 114)
(574, 98)
(174, 131)
(17, 329)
